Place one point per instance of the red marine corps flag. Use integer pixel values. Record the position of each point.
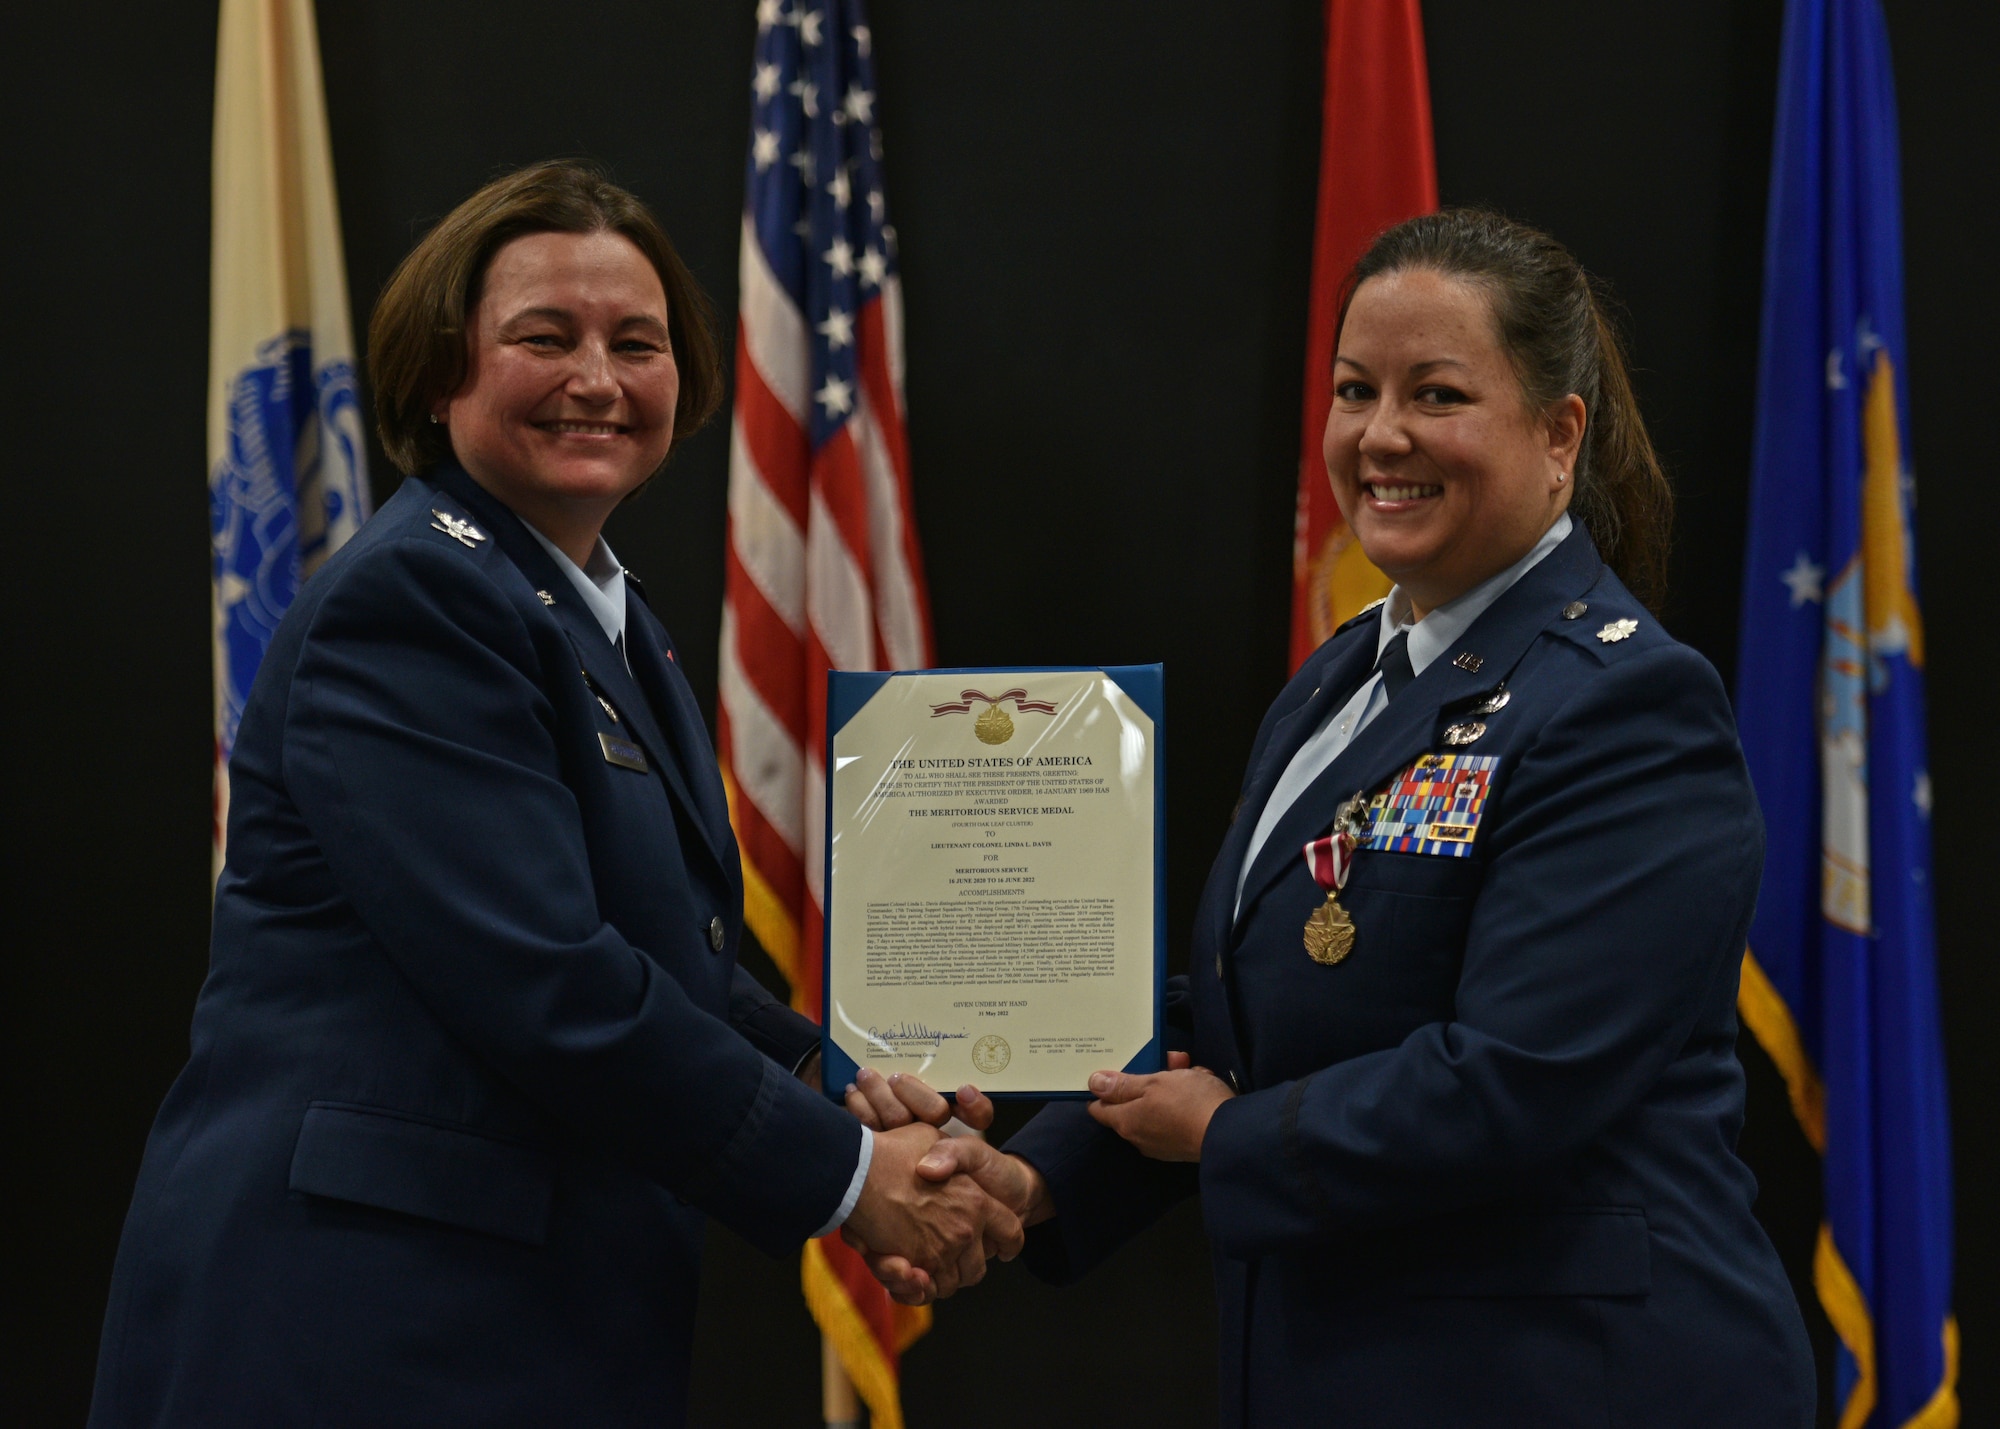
(1375, 169)
(823, 568)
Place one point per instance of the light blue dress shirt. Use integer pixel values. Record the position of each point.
(1429, 638)
(601, 584)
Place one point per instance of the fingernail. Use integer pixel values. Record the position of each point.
(895, 1077)
(1102, 1082)
(864, 1074)
(932, 1163)
(850, 1086)
(968, 1091)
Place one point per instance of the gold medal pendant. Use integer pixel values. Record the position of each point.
(1329, 932)
(993, 727)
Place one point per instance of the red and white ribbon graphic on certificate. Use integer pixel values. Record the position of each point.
(963, 704)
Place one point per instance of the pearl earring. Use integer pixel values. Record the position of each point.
(1561, 476)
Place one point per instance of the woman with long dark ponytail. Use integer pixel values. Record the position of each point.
(1459, 1087)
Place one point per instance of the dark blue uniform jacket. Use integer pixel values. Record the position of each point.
(1483, 1170)
(474, 1057)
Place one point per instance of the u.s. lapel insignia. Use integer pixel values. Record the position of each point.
(463, 532)
(1469, 662)
(1617, 630)
(547, 599)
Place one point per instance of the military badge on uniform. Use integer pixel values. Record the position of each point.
(1329, 932)
(1617, 630)
(622, 752)
(463, 532)
(1432, 807)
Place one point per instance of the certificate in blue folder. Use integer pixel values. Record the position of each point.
(994, 895)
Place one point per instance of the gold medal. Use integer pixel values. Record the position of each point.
(993, 727)
(1329, 932)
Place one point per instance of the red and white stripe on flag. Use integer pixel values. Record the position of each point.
(823, 574)
(823, 570)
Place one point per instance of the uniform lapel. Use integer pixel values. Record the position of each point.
(1340, 672)
(1413, 722)
(660, 677)
(597, 656)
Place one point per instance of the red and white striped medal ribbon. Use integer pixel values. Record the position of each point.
(1331, 859)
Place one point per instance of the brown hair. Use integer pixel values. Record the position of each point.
(1554, 327)
(416, 339)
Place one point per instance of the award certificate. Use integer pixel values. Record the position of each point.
(993, 888)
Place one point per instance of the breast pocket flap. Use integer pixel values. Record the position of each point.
(375, 1157)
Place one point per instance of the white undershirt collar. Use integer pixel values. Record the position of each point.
(601, 583)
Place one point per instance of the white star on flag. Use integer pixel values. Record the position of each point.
(838, 329)
(863, 38)
(769, 13)
(873, 267)
(803, 162)
(808, 95)
(1921, 795)
(809, 27)
(840, 258)
(764, 149)
(840, 188)
(876, 206)
(765, 85)
(1803, 580)
(837, 397)
(860, 104)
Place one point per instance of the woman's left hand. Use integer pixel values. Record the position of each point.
(1164, 1114)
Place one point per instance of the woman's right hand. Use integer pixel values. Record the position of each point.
(1014, 1183)
(884, 1103)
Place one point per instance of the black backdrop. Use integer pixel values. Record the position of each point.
(1105, 216)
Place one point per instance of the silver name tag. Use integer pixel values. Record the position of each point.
(623, 753)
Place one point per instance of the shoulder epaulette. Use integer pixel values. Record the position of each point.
(1362, 614)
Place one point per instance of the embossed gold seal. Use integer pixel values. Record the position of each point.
(1329, 935)
(994, 727)
(991, 1054)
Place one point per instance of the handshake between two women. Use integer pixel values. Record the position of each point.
(936, 1208)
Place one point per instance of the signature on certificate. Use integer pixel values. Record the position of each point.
(901, 1035)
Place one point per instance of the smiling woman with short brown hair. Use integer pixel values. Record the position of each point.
(474, 1061)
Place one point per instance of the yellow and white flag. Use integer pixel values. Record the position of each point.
(287, 460)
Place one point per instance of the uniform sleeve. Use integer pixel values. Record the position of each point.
(1622, 872)
(1104, 1191)
(422, 752)
(785, 1036)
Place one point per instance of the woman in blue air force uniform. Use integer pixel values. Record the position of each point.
(1480, 1170)
(436, 1156)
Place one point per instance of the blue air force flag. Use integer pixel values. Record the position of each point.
(287, 464)
(1839, 983)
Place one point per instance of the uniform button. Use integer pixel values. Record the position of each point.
(716, 935)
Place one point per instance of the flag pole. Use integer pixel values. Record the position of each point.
(839, 1405)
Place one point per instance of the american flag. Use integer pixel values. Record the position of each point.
(823, 567)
